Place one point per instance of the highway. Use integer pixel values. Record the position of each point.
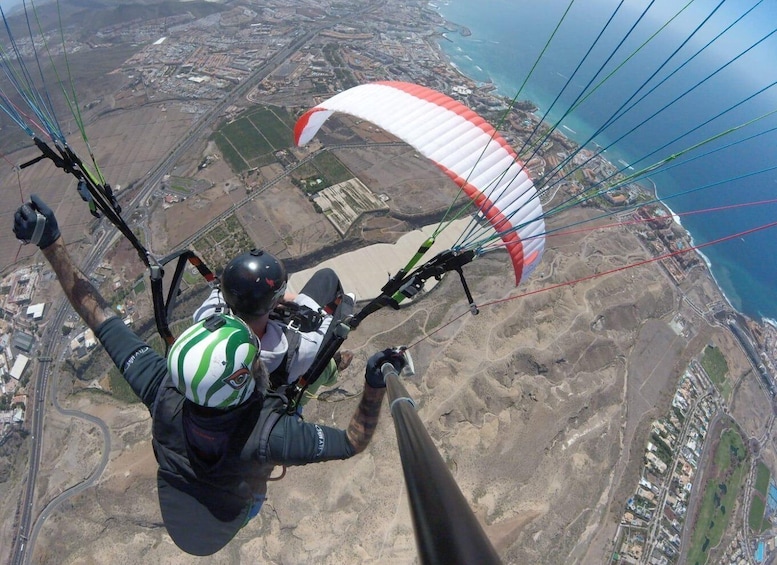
(52, 342)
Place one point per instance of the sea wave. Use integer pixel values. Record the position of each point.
(703, 257)
(731, 304)
(675, 218)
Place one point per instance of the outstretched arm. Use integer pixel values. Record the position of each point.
(142, 368)
(34, 222)
(82, 294)
(365, 419)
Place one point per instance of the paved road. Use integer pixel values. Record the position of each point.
(51, 341)
(80, 487)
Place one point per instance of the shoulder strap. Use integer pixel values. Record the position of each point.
(293, 339)
(279, 376)
(256, 447)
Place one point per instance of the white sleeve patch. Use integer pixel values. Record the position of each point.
(321, 441)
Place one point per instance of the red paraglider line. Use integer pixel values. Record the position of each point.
(30, 120)
(7, 160)
(602, 274)
(649, 219)
(510, 238)
(21, 197)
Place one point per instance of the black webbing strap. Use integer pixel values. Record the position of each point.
(163, 308)
(333, 339)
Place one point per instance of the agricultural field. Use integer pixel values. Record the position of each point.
(323, 171)
(251, 139)
(222, 242)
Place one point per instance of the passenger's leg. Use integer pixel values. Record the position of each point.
(324, 287)
(328, 378)
(256, 506)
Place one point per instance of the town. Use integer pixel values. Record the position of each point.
(190, 61)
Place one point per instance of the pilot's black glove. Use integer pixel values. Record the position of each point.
(34, 222)
(374, 375)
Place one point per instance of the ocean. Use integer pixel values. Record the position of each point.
(9, 6)
(695, 78)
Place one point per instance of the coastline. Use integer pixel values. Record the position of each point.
(676, 219)
(571, 133)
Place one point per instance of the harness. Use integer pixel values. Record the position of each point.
(273, 407)
(295, 319)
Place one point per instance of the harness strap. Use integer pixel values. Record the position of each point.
(293, 339)
(257, 445)
(296, 319)
(40, 225)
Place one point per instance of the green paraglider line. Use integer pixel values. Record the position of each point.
(95, 176)
(569, 82)
(643, 174)
(491, 241)
(39, 102)
(619, 112)
(583, 96)
(103, 199)
(573, 201)
(659, 166)
(446, 221)
(469, 241)
(653, 167)
(425, 246)
(22, 83)
(648, 218)
(622, 111)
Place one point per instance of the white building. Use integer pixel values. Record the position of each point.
(19, 366)
(35, 311)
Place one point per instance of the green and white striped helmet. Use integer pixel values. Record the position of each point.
(211, 362)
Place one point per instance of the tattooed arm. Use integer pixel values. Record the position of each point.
(82, 294)
(365, 419)
(293, 441)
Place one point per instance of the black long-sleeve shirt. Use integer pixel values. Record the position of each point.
(292, 441)
(205, 497)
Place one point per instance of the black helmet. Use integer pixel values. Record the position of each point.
(253, 283)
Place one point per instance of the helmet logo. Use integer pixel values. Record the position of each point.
(270, 283)
(239, 378)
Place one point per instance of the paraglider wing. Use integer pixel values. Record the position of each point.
(461, 143)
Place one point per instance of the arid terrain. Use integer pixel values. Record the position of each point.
(540, 406)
